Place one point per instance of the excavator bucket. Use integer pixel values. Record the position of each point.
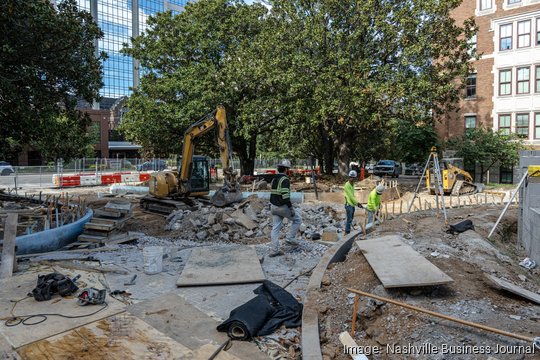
(226, 196)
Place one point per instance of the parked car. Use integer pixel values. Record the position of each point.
(369, 168)
(387, 168)
(6, 168)
(414, 169)
(156, 165)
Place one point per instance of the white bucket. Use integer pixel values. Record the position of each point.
(153, 259)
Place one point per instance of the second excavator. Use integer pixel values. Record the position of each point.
(170, 190)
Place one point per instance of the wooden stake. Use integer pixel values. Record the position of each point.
(355, 306)
(9, 264)
(450, 201)
(400, 206)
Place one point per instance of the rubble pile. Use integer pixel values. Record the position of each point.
(247, 222)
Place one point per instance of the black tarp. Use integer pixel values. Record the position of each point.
(461, 227)
(262, 315)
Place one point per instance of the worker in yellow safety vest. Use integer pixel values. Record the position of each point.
(350, 200)
(374, 202)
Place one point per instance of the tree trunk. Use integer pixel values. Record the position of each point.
(327, 151)
(247, 152)
(343, 151)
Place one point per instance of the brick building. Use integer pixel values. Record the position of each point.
(503, 92)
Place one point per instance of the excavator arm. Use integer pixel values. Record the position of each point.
(217, 119)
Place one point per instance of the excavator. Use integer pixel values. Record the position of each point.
(455, 181)
(171, 190)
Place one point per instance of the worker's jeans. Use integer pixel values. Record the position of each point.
(278, 214)
(350, 216)
(370, 216)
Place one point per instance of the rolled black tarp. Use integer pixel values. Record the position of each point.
(245, 321)
(460, 227)
(262, 315)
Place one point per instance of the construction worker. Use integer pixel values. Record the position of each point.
(280, 198)
(350, 200)
(374, 202)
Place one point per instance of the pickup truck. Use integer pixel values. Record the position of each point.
(387, 168)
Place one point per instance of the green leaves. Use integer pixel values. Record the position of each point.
(47, 62)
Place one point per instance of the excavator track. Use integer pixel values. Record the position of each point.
(462, 187)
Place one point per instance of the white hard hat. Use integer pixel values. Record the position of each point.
(353, 174)
(285, 163)
(379, 189)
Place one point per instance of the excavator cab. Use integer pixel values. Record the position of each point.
(199, 175)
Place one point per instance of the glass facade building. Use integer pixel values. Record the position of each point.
(120, 20)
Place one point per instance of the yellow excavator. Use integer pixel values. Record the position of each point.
(455, 181)
(171, 190)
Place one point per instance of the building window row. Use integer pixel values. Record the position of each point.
(521, 124)
(524, 34)
(523, 78)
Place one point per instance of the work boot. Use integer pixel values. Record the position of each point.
(292, 242)
(275, 253)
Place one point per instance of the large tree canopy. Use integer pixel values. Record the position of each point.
(194, 61)
(47, 62)
(327, 78)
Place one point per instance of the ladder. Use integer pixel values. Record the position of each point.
(433, 159)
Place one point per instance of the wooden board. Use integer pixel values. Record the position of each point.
(508, 286)
(396, 264)
(119, 206)
(183, 322)
(17, 287)
(119, 337)
(220, 266)
(8, 246)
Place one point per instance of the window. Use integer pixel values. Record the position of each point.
(510, 2)
(486, 4)
(472, 45)
(505, 82)
(537, 126)
(524, 33)
(537, 79)
(504, 124)
(523, 80)
(470, 122)
(506, 37)
(522, 125)
(538, 31)
(471, 86)
(506, 175)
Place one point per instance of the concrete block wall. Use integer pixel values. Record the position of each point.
(529, 206)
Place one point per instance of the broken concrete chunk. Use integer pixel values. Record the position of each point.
(249, 233)
(244, 220)
(303, 227)
(229, 221)
(217, 228)
(330, 235)
(211, 219)
(201, 235)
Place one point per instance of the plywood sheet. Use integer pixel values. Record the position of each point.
(118, 337)
(220, 266)
(18, 287)
(396, 264)
(183, 322)
(503, 284)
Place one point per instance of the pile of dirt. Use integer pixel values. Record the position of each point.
(466, 258)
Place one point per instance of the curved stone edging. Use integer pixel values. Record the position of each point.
(52, 239)
(311, 345)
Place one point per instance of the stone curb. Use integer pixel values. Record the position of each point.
(311, 345)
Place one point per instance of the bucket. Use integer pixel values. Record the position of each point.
(153, 259)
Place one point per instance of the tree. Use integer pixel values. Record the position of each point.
(193, 62)
(355, 69)
(487, 148)
(47, 62)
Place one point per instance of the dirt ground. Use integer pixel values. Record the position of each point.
(465, 258)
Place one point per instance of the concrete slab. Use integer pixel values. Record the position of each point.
(183, 322)
(16, 288)
(221, 265)
(218, 301)
(508, 286)
(396, 264)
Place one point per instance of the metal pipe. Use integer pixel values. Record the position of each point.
(446, 317)
(508, 204)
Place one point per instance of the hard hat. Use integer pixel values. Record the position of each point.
(353, 174)
(285, 163)
(379, 189)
